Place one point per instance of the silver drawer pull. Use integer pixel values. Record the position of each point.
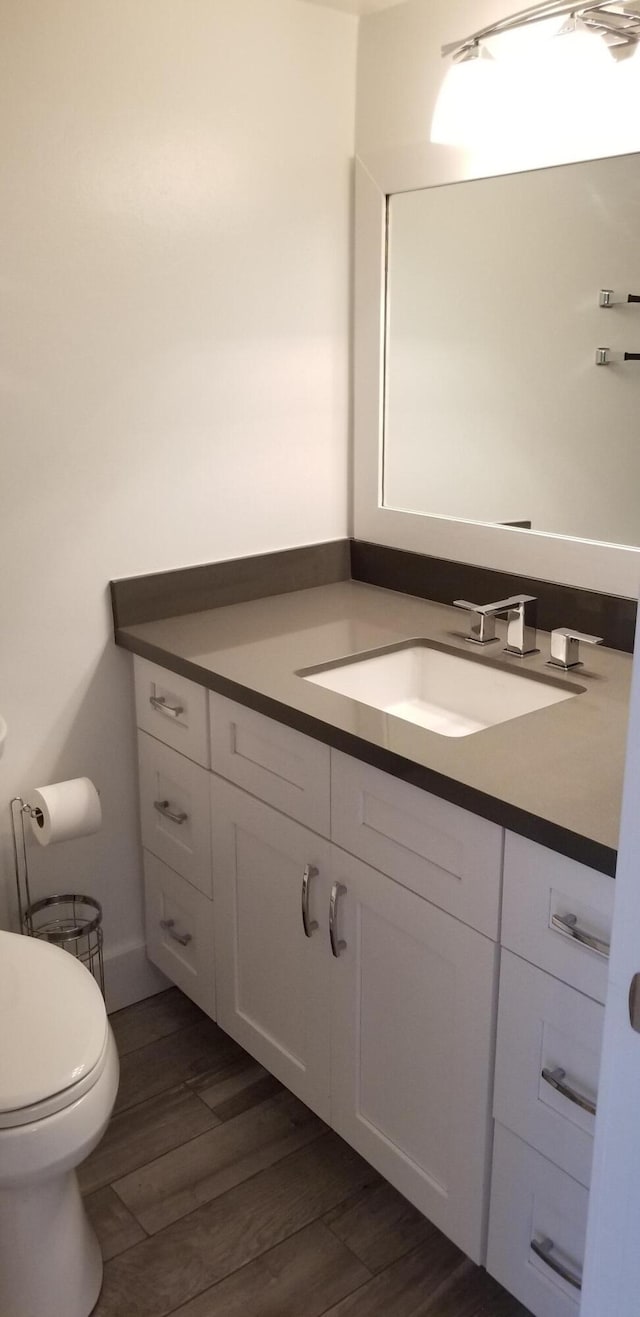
(162, 807)
(337, 943)
(568, 925)
(169, 926)
(160, 705)
(543, 1249)
(309, 925)
(556, 1079)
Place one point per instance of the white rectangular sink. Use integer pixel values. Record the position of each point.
(443, 691)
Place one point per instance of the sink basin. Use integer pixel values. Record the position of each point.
(439, 688)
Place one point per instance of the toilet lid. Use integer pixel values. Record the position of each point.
(53, 1022)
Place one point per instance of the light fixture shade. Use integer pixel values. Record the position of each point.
(577, 54)
(523, 42)
(467, 97)
(551, 91)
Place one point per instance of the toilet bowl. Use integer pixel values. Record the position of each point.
(58, 1083)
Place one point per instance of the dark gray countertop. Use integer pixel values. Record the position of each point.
(554, 775)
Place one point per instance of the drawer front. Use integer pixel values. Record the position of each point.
(546, 1028)
(180, 933)
(532, 1201)
(173, 709)
(175, 811)
(279, 765)
(450, 857)
(546, 896)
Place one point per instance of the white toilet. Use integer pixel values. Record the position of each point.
(58, 1083)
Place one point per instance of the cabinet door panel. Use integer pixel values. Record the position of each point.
(413, 993)
(275, 763)
(436, 849)
(272, 979)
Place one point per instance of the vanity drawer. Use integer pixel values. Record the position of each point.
(542, 888)
(175, 812)
(533, 1201)
(450, 857)
(545, 1026)
(279, 765)
(173, 709)
(180, 934)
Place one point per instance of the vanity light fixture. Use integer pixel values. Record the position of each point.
(571, 40)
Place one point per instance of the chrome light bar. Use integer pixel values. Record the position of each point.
(617, 23)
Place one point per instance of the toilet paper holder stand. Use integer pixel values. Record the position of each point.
(69, 920)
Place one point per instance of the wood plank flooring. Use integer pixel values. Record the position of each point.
(216, 1193)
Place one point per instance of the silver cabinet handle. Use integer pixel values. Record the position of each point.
(309, 925)
(162, 807)
(183, 938)
(568, 925)
(337, 943)
(543, 1248)
(555, 1078)
(160, 705)
(634, 1003)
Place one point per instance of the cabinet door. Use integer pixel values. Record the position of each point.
(272, 979)
(412, 1047)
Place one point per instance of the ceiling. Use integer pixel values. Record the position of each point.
(355, 6)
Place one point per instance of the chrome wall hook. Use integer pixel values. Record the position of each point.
(609, 357)
(609, 298)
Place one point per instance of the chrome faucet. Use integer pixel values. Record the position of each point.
(521, 612)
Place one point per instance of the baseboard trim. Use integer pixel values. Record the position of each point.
(129, 977)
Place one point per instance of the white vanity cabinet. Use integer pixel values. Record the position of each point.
(344, 927)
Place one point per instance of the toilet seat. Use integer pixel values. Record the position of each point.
(53, 1030)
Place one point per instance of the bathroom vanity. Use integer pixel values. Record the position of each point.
(408, 929)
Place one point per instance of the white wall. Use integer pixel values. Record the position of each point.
(175, 204)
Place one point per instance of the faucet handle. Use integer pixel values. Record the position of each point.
(482, 624)
(565, 647)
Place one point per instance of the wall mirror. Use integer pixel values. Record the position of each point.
(478, 401)
(495, 408)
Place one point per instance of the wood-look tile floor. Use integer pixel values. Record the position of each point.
(216, 1193)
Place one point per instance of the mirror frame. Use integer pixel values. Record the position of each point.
(588, 564)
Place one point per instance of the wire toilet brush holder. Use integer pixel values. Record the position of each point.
(71, 921)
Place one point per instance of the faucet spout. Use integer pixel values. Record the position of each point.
(521, 612)
(522, 622)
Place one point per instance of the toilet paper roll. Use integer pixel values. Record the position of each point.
(65, 810)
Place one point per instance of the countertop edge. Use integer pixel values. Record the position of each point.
(584, 850)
